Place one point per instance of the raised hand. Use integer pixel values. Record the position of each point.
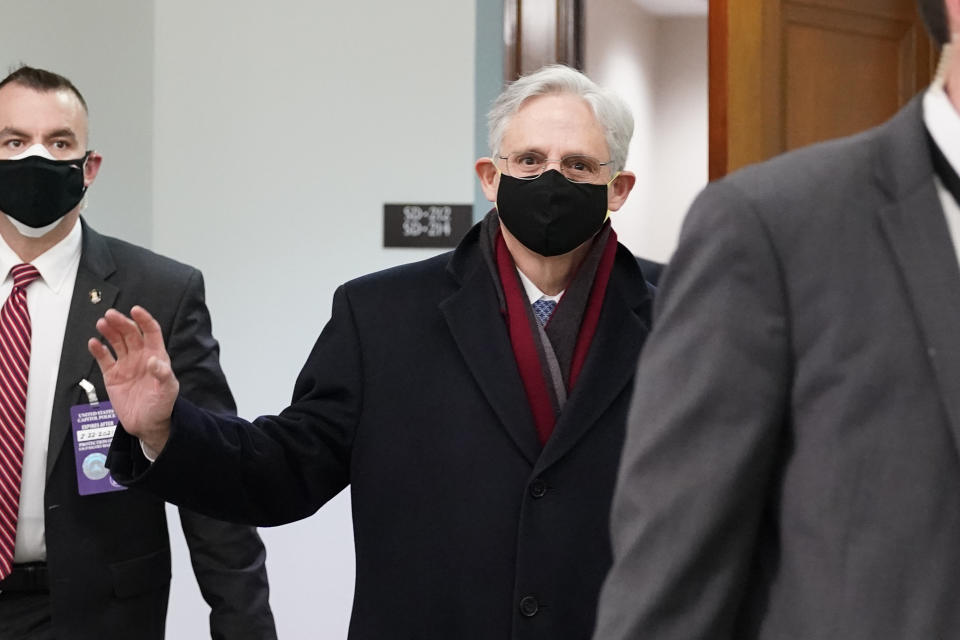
(139, 380)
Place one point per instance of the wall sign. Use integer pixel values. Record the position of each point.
(425, 225)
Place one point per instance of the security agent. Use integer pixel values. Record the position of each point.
(81, 558)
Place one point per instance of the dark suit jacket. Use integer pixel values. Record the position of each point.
(464, 528)
(108, 554)
(651, 270)
(791, 468)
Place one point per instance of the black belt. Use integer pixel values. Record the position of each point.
(27, 577)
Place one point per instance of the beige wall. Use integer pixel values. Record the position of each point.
(659, 65)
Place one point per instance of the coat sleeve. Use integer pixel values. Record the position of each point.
(276, 469)
(229, 560)
(704, 427)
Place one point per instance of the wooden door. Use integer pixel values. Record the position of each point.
(539, 32)
(787, 73)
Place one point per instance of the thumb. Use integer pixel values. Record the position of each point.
(160, 369)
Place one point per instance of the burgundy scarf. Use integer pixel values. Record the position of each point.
(525, 334)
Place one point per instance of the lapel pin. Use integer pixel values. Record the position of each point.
(95, 296)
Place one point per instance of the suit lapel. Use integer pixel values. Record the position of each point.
(76, 363)
(477, 326)
(611, 361)
(917, 232)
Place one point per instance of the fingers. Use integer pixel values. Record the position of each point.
(128, 329)
(101, 354)
(111, 334)
(120, 332)
(150, 328)
(125, 334)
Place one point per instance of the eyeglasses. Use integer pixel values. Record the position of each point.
(528, 165)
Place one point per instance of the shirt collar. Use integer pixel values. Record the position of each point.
(943, 122)
(533, 293)
(54, 264)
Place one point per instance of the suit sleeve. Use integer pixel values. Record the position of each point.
(704, 427)
(229, 560)
(276, 469)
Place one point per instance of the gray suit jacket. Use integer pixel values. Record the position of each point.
(791, 468)
(108, 554)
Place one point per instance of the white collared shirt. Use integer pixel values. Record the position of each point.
(534, 293)
(943, 123)
(48, 301)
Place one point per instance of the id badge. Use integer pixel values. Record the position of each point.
(93, 427)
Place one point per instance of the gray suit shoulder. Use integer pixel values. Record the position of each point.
(824, 169)
(807, 191)
(131, 256)
(143, 276)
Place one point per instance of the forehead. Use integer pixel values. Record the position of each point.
(36, 112)
(555, 124)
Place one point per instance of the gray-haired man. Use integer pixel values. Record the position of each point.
(477, 422)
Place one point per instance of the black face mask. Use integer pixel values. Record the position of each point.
(551, 215)
(37, 191)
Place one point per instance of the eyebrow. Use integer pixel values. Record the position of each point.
(10, 131)
(61, 133)
(536, 150)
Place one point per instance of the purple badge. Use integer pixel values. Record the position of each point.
(93, 427)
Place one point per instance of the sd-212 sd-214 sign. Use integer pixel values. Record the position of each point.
(425, 225)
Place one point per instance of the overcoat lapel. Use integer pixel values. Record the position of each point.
(917, 232)
(611, 361)
(76, 363)
(477, 325)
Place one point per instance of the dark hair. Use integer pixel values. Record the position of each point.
(934, 13)
(41, 80)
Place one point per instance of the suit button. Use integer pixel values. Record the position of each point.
(538, 489)
(529, 606)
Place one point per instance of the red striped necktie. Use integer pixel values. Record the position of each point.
(14, 365)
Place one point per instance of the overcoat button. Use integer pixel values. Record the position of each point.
(538, 489)
(529, 606)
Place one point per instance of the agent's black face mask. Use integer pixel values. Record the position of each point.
(38, 191)
(551, 215)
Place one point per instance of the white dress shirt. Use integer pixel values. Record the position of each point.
(48, 300)
(533, 293)
(943, 123)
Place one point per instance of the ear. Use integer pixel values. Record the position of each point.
(489, 177)
(619, 189)
(91, 168)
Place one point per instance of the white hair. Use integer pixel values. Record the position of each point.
(610, 110)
